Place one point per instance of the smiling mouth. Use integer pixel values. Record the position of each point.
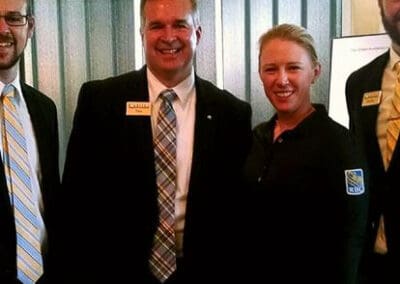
(5, 44)
(283, 94)
(169, 51)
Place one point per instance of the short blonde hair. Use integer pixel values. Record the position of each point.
(293, 33)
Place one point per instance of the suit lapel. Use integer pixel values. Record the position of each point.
(206, 120)
(136, 90)
(370, 113)
(137, 129)
(39, 124)
(36, 117)
(5, 213)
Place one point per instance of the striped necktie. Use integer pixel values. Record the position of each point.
(17, 171)
(392, 133)
(163, 258)
(393, 127)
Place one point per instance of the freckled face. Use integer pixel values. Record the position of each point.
(287, 73)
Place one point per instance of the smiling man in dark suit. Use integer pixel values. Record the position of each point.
(369, 94)
(28, 181)
(110, 177)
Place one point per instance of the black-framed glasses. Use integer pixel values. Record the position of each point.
(15, 19)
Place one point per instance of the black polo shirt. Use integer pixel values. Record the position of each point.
(310, 202)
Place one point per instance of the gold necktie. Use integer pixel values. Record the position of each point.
(393, 127)
(392, 133)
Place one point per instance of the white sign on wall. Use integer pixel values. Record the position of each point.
(347, 55)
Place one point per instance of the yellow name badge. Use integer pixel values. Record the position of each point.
(138, 109)
(372, 98)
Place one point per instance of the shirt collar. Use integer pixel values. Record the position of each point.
(315, 117)
(17, 85)
(394, 58)
(182, 90)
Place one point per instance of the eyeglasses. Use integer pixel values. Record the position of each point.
(15, 19)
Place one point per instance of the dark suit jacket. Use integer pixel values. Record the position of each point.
(110, 188)
(384, 185)
(44, 120)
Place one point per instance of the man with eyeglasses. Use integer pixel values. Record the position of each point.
(29, 171)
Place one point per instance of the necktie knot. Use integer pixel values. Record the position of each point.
(168, 95)
(8, 91)
(167, 112)
(397, 67)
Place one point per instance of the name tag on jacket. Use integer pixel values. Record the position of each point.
(138, 109)
(372, 98)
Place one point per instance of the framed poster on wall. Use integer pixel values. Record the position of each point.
(347, 55)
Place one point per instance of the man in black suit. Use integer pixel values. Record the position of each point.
(109, 181)
(38, 116)
(369, 93)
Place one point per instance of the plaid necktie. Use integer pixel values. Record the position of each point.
(17, 170)
(163, 259)
(393, 127)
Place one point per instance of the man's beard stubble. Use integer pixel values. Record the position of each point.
(15, 56)
(392, 29)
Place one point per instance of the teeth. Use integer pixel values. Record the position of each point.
(5, 44)
(283, 94)
(169, 51)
